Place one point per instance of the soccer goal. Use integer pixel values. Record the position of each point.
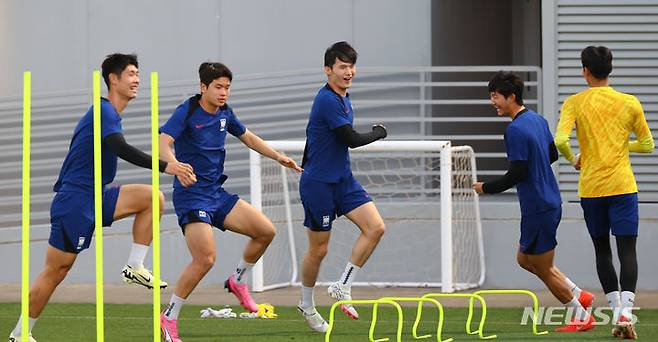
(423, 190)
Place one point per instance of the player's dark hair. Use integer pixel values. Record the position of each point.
(341, 50)
(598, 60)
(209, 72)
(116, 63)
(506, 84)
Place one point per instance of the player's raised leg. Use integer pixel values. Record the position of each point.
(58, 263)
(201, 243)
(246, 220)
(543, 266)
(584, 297)
(318, 245)
(135, 199)
(372, 228)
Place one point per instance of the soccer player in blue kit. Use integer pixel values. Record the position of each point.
(531, 151)
(327, 187)
(72, 209)
(198, 129)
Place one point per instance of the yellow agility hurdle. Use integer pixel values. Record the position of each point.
(479, 331)
(420, 300)
(371, 332)
(535, 303)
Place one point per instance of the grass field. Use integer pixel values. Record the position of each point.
(75, 322)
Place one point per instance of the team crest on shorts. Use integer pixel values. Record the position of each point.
(325, 221)
(202, 213)
(81, 242)
(222, 125)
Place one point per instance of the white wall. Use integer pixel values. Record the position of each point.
(62, 41)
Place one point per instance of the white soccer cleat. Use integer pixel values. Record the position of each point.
(338, 291)
(314, 320)
(139, 276)
(624, 329)
(13, 338)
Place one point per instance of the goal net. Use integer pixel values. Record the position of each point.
(423, 190)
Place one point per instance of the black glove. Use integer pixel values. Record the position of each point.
(380, 130)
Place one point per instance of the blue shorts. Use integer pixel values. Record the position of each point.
(324, 202)
(538, 231)
(618, 213)
(72, 218)
(209, 206)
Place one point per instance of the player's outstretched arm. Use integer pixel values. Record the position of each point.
(259, 145)
(515, 174)
(117, 143)
(353, 139)
(183, 171)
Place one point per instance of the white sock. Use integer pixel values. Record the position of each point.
(573, 287)
(137, 255)
(241, 272)
(614, 301)
(627, 303)
(307, 298)
(174, 307)
(19, 326)
(349, 274)
(579, 312)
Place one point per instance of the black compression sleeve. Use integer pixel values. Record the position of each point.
(352, 138)
(552, 152)
(516, 173)
(125, 151)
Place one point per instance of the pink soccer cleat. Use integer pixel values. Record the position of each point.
(242, 293)
(169, 329)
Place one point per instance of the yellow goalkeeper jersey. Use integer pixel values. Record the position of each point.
(604, 119)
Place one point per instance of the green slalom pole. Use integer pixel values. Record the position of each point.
(25, 244)
(98, 206)
(155, 198)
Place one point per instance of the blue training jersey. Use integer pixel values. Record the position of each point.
(326, 158)
(77, 173)
(528, 138)
(199, 140)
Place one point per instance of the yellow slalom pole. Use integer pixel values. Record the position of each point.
(98, 206)
(25, 245)
(155, 197)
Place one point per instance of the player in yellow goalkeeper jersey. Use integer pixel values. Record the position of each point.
(605, 119)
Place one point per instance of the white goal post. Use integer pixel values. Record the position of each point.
(423, 190)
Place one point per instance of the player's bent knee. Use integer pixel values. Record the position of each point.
(525, 264)
(269, 232)
(57, 274)
(377, 231)
(318, 251)
(205, 263)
